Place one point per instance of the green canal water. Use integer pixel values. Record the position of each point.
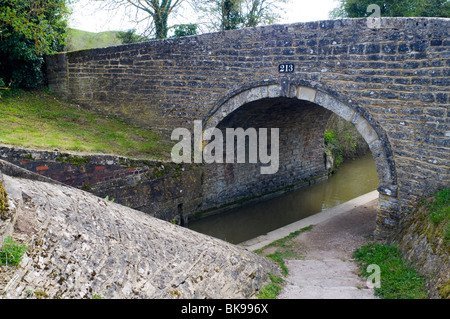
(352, 179)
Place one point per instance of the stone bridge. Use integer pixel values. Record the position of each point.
(390, 81)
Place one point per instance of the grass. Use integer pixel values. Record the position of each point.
(279, 250)
(37, 119)
(11, 252)
(398, 279)
(271, 290)
(82, 40)
(440, 211)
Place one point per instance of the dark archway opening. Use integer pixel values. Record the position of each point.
(253, 204)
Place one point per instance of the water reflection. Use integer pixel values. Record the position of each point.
(354, 178)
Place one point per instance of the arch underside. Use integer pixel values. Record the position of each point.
(372, 133)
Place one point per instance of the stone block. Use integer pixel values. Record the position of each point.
(307, 94)
(366, 131)
(334, 105)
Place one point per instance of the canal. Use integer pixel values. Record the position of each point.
(352, 179)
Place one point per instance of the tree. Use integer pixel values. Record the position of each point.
(259, 12)
(230, 14)
(130, 36)
(155, 12)
(393, 8)
(28, 30)
(235, 14)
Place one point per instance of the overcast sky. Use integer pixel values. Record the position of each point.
(86, 16)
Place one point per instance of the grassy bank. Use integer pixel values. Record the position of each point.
(439, 208)
(37, 119)
(398, 280)
(83, 40)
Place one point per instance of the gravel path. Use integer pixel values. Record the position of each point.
(327, 271)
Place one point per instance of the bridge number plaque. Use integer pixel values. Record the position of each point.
(286, 68)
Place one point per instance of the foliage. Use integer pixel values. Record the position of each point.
(392, 8)
(285, 242)
(332, 144)
(283, 249)
(271, 290)
(28, 30)
(217, 14)
(343, 140)
(183, 30)
(440, 211)
(11, 252)
(230, 14)
(398, 279)
(130, 36)
(257, 12)
(2, 87)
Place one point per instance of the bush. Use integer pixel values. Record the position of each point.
(183, 30)
(343, 141)
(332, 144)
(29, 29)
(23, 67)
(130, 36)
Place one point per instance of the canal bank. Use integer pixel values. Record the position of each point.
(354, 178)
(322, 266)
(342, 209)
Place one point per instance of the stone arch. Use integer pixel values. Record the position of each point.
(370, 130)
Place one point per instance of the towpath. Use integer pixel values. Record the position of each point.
(326, 269)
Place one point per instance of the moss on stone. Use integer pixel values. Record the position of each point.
(444, 290)
(4, 207)
(74, 160)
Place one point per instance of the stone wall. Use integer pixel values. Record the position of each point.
(81, 246)
(391, 82)
(162, 189)
(423, 242)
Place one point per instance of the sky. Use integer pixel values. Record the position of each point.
(86, 15)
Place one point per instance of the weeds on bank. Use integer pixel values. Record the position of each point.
(283, 249)
(11, 252)
(398, 280)
(440, 211)
(271, 290)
